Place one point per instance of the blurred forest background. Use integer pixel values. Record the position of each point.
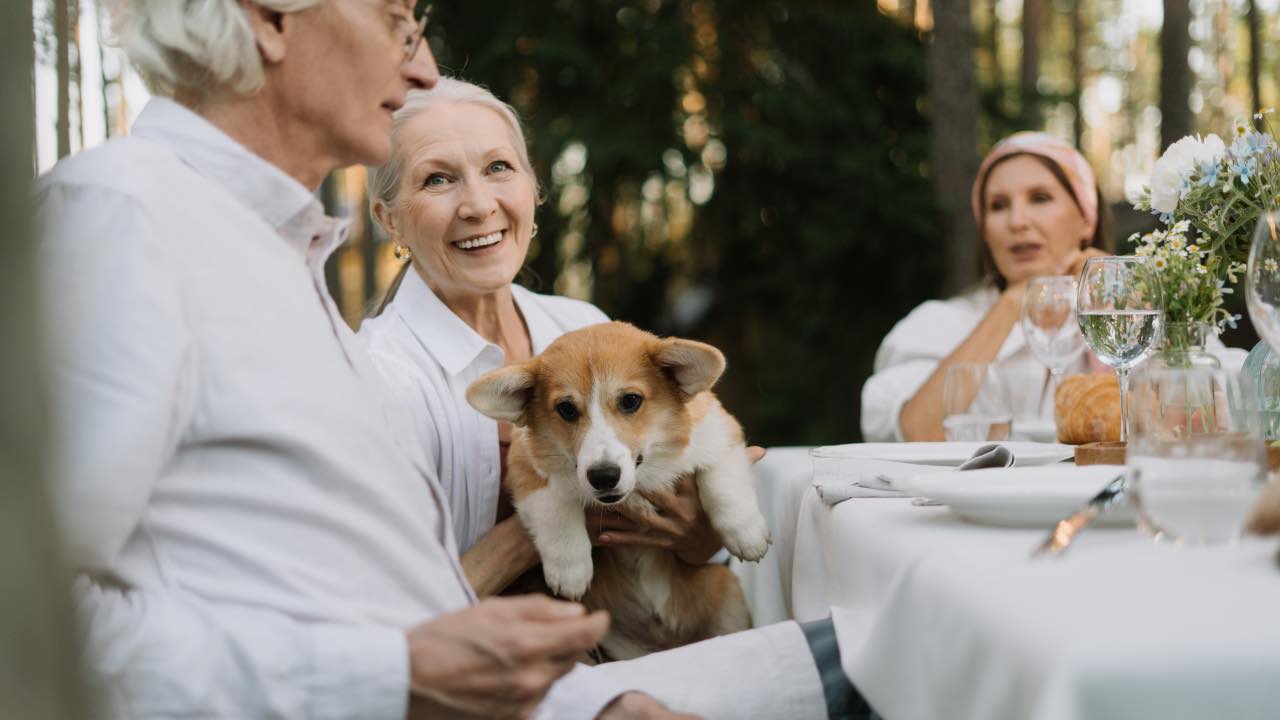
(783, 178)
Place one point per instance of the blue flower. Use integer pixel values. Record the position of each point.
(1244, 168)
(1208, 174)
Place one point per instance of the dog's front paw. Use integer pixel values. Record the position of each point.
(748, 538)
(568, 577)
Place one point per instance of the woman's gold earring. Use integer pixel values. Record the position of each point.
(402, 252)
(534, 234)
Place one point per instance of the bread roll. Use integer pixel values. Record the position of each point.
(1086, 408)
(1264, 519)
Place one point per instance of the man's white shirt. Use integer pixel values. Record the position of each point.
(252, 519)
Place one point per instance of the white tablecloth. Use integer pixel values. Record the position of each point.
(938, 618)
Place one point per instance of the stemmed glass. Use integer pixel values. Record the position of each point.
(1049, 324)
(1120, 308)
(1262, 280)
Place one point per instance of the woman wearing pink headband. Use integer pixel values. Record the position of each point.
(1036, 203)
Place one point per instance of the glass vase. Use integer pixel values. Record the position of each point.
(1183, 347)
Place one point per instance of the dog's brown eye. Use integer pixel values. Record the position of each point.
(567, 411)
(629, 402)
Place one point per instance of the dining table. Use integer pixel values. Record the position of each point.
(940, 617)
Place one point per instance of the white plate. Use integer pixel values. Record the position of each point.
(943, 453)
(1021, 497)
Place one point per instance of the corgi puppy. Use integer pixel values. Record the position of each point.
(603, 413)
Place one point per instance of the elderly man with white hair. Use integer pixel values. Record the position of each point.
(255, 531)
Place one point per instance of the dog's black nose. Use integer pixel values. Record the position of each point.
(603, 477)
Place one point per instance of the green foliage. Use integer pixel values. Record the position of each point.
(820, 231)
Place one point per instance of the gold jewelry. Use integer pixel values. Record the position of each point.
(402, 252)
(534, 234)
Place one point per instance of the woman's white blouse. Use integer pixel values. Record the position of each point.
(429, 356)
(914, 347)
(911, 352)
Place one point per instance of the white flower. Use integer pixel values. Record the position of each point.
(1175, 167)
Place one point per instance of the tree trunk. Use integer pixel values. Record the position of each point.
(77, 69)
(38, 653)
(1255, 57)
(1175, 72)
(993, 43)
(953, 100)
(1077, 70)
(102, 26)
(62, 32)
(1030, 75)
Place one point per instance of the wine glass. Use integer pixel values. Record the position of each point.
(1262, 295)
(1262, 279)
(975, 406)
(1196, 457)
(1120, 308)
(1049, 324)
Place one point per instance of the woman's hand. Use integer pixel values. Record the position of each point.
(1073, 263)
(679, 523)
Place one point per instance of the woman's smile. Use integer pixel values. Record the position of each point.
(480, 244)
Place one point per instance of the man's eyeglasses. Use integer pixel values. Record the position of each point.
(415, 31)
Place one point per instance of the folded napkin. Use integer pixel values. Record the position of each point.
(877, 478)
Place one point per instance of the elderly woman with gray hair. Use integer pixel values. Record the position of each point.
(458, 198)
(254, 529)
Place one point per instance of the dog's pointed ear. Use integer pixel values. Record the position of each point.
(503, 394)
(694, 366)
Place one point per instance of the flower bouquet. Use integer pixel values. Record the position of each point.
(1209, 196)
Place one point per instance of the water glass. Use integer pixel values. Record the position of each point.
(975, 404)
(1120, 308)
(1196, 459)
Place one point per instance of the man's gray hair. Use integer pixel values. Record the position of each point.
(194, 46)
(385, 183)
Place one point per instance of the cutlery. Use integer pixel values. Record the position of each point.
(1065, 531)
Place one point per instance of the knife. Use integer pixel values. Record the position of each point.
(1065, 531)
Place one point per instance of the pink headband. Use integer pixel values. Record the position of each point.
(1079, 175)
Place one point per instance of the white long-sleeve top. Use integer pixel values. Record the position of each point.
(251, 518)
(430, 356)
(913, 348)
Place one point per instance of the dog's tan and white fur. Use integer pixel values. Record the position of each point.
(602, 413)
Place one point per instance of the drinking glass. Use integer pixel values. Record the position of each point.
(1121, 311)
(975, 406)
(1049, 324)
(1196, 457)
(1262, 279)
